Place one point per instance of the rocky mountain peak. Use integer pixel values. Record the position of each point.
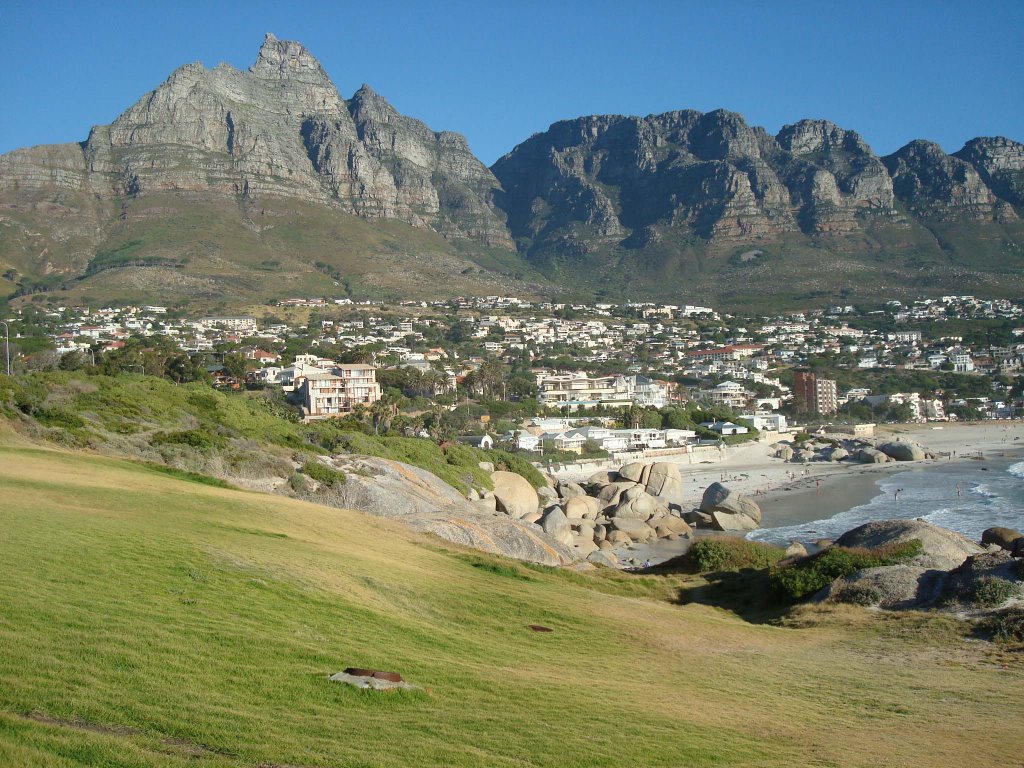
(1000, 161)
(807, 137)
(287, 59)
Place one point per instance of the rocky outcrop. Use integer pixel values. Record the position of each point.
(937, 186)
(280, 129)
(943, 549)
(427, 504)
(903, 451)
(729, 510)
(516, 497)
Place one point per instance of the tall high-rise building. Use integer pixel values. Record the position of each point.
(815, 395)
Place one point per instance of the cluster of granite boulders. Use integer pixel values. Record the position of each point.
(951, 573)
(854, 450)
(639, 503)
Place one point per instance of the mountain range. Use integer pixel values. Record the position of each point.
(226, 187)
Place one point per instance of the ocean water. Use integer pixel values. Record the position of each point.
(991, 493)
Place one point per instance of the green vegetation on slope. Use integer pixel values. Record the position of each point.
(152, 622)
(234, 436)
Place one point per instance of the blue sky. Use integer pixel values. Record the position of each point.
(500, 71)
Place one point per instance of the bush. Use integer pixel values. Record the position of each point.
(731, 554)
(859, 595)
(200, 439)
(1007, 626)
(990, 591)
(806, 577)
(326, 476)
(298, 483)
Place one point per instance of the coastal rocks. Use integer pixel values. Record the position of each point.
(730, 511)
(838, 454)
(604, 558)
(784, 452)
(635, 529)
(903, 451)
(585, 507)
(943, 549)
(567, 489)
(516, 497)
(666, 482)
(556, 525)
(893, 587)
(870, 456)
(1006, 538)
(796, 549)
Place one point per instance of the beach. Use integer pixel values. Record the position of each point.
(791, 495)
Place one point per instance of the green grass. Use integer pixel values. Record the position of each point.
(148, 621)
(192, 424)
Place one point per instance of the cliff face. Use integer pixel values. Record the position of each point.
(280, 130)
(594, 181)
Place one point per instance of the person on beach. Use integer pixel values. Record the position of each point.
(958, 489)
(896, 496)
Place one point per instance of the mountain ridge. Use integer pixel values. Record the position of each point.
(609, 203)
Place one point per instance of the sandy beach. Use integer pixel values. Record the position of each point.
(795, 493)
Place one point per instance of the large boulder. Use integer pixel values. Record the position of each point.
(642, 506)
(609, 495)
(675, 525)
(620, 538)
(903, 451)
(516, 497)
(870, 456)
(729, 521)
(637, 530)
(784, 452)
(556, 525)
(603, 557)
(838, 454)
(602, 478)
(498, 535)
(943, 549)
(1004, 537)
(547, 495)
(892, 587)
(666, 482)
(582, 507)
(567, 489)
(633, 471)
(718, 498)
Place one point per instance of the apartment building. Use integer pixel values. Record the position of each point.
(815, 395)
(337, 391)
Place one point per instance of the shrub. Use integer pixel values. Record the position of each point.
(200, 439)
(990, 591)
(805, 577)
(298, 483)
(1007, 626)
(59, 417)
(731, 554)
(326, 476)
(859, 595)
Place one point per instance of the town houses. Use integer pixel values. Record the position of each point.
(603, 357)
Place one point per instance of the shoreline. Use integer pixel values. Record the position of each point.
(794, 494)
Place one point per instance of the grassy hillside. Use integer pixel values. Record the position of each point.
(225, 253)
(148, 621)
(248, 438)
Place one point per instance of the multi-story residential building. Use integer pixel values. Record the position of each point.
(327, 394)
(815, 395)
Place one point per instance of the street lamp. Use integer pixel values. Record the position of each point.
(7, 345)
